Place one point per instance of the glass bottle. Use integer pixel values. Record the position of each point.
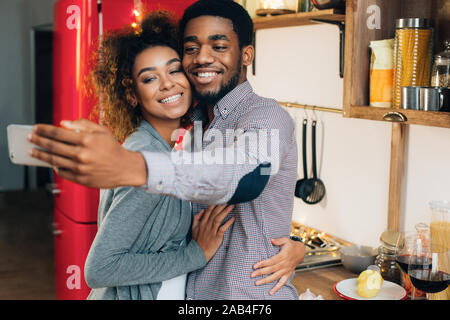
(440, 234)
(387, 252)
(410, 241)
(412, 55)
(304, 6)
(440, 75)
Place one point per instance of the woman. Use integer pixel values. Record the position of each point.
(143, 248)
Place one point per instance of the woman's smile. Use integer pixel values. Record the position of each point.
(172, 100)
(161, 87)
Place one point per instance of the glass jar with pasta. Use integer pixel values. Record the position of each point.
(440, 237)
(413, 51)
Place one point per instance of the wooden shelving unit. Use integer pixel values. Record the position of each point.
(356, 79)
(333, 16)
(425, 118)
(356, 71)
(357, 55)
(297, 19)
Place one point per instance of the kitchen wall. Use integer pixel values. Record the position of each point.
(301, 64)
(17, 18)
(296, 64)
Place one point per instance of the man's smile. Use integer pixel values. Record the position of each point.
(205, 77)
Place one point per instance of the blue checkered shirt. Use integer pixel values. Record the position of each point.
(268, 214)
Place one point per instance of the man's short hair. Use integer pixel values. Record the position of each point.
(228, 9)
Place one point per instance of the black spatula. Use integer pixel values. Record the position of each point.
(300, 182)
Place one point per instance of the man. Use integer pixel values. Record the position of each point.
(217, 49)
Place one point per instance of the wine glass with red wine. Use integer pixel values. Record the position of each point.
(429, 268)
(405, 244)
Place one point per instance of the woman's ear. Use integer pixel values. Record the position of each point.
(248, 53)
(129, 92)
(133, 100)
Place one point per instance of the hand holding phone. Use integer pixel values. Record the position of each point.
(18, 146)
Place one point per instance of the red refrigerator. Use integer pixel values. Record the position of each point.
(77, 27)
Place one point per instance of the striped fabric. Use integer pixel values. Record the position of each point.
(241, 112)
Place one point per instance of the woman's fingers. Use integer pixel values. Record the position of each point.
(213, 217)
(224, 211)
(197, 218)
(207, 213)
(220, 214)
(217, 210)
(226, 225)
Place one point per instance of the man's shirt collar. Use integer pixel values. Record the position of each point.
(227, 104)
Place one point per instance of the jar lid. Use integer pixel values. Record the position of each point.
(413, 23)
(442, 206)
(391, 238)
(444, 56)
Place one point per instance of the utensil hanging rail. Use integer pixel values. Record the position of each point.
(308, 107)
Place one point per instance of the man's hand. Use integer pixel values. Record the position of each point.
(207, 230)
(282, 265)
(88, 154)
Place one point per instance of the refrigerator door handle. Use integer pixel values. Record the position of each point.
(55, 230)
(53, 188)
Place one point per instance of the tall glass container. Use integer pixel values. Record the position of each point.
(440, 236)
(410, 242)
(305, 6)
(440, 75)
(412, 55)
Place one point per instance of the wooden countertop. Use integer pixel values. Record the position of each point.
(321, 281)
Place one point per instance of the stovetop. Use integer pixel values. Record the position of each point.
(322, 249)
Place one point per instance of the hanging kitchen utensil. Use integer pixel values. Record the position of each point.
(313, 190)
(298, 186)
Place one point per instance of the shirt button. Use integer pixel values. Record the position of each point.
(159, 187)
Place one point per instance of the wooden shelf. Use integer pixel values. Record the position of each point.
(425, 118)
(297, 19)
(357, 55)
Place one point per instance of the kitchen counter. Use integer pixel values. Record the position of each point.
(321, 281)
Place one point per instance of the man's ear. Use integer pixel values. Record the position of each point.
(248, 53)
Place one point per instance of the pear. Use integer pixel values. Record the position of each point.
(369, 283)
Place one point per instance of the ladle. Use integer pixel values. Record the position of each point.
(313, 190)
(300, 182)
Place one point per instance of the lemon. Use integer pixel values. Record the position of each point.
(369, 283)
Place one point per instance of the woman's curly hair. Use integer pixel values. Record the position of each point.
(111, 76)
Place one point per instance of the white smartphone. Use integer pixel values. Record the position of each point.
(18, 146)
